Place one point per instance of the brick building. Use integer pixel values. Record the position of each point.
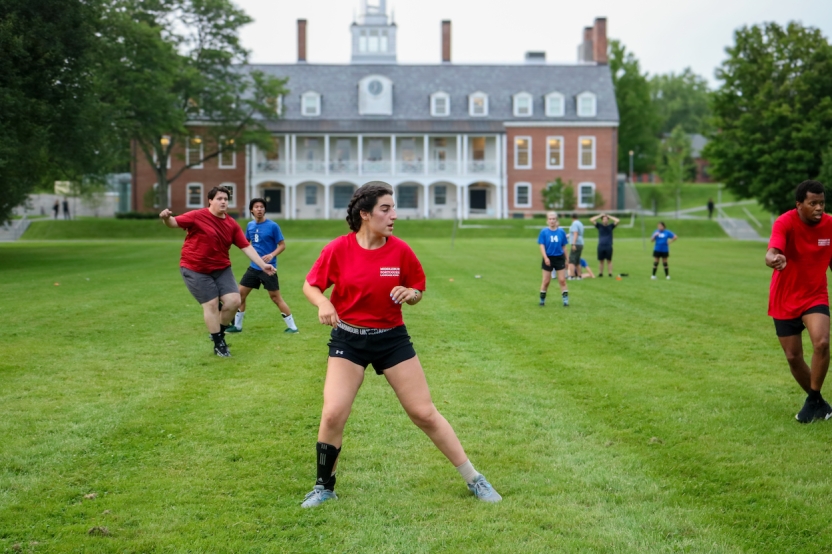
(454, 140)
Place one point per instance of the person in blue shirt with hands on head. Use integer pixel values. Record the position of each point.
(267, 239)
(662, 237)
(553, 241)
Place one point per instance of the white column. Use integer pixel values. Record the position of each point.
(459, 201)
(426, 189)
(294, 154)
(425, 157)
(498, 169)
(326, 154)
(393, 154)
(293, 201)
(360, 154)
(326, 201)
(288, 156)
(248, 170)
(459, 155)
(504, 172)
(465, 154)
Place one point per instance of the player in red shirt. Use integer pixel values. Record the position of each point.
(799, 251)
(373, 274)
(205, 265)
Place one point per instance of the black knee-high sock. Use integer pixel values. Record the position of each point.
(327, 456)
(217, 338)
(543, 296)
(655, 267)
(666, 270)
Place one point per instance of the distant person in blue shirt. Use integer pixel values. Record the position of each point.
(553, 241)
(605, 229)
(266, 238)
(662, 237)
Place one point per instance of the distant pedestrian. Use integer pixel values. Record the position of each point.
(56, 207)
(605, 229)
(552, 241)
(576, 248)
(66, 208)
(710, 208)
(662, 237)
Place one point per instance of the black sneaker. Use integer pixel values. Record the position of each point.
(221, 350)
(823, 411)
(808, 411)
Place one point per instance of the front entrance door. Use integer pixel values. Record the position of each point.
(274, 200)
(477, 199)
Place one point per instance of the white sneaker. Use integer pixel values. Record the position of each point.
(668, 277)
(653, 277)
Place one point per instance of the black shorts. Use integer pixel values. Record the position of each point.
(254, 277)
(657, 254)
(575, 254)
(558, 263)
(384, 348)
(604, 253)
(792, 327)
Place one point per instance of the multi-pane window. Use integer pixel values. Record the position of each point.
(407, 197)
(194, 192)
(523, 195)
(193, 154)
(440, 195)
(342, 194)
(440, 104)
(586, 153)
(310, 192)
(586, 195)
(554, 153)
(478, 104)
(311, 104)
(522, 152)
(522, 104)
(586, 104)
(555, 106)
(232, 194)
(228, 157)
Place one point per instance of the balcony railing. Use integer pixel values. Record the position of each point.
(380, 167)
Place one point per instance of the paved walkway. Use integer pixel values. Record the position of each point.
(12, 230)
(739, 229)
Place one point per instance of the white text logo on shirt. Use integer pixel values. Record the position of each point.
(390, 271)
(823, 242)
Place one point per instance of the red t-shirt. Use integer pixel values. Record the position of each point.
(364, 278)
(208, 241)
(802, 284)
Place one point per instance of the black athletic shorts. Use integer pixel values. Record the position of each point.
(604, 253)
(558, 263)
(383, 348)
(792, 327)
(254, 277)
(657, 254)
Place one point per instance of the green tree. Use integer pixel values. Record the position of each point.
(674, 163)
(773, 112)
(569, 200)
(639, 120)
(553, 194)
(682, 99)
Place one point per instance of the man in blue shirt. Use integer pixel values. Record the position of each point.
(552, 241)
(266, 238)
(576, 240)
(662, 237)
(605, 229)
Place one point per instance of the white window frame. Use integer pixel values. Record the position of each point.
(436, 195)
(516, 101)
(581, 153)
(580, 196)
(188, 202)
(516, 165)
(232, 202)
(433, 98)
(578, 101)
(155, 187)
(156, 159)
(314, 96)
(551, 112)
(549, 151)
(233, 164)
(200, 165)
(517, 203)
(472, 98)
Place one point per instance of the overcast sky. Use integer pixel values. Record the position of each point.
(664, 35)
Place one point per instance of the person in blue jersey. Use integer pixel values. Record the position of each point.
(553, 241)
(662, 237)
(267, 239)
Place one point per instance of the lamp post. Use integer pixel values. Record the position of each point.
(638, 206)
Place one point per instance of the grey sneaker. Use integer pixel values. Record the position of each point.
(483, 490)
(318, 496)
(233, 329)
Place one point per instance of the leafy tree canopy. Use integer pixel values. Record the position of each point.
(682, 100)
(773, 112)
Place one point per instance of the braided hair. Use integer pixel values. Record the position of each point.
(364, 199)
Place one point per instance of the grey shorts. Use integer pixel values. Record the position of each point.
(207, 286)
(575, 254)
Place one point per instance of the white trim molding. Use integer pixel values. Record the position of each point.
(522, 104)
(517, 142)
(528, 202)
(552, 143)
(583, 142)
(555, 103)
(581, 203)
(434, 109)
(314, 99)
(586, 104)
(472, 104)
(560, 123)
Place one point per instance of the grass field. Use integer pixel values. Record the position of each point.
(650, 416)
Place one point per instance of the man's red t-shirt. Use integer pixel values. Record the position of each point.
(364, 278)
(802, 284)
(208, 241)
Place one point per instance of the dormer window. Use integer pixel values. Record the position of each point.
(586, 104)
(522, 104)
(311, 103)
(478, 104)
(440, 104)
(555, 105)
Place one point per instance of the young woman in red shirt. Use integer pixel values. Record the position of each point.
(373, 274)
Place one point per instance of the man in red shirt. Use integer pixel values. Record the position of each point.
(800, 251)
(205, 265)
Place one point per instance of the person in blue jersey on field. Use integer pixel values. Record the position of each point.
(266, 238)
(553, 241)
(662, 237)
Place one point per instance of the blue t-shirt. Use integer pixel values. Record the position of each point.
(264, 237)
(577, 227)
(554, 241)
(605, 234)
(583, 263)
(661, 240)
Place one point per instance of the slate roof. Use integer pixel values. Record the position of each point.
(413, 85)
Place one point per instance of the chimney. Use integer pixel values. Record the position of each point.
(446, 41)
(301, 41)
(585, 48)
(599, 40)
(536, 57)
